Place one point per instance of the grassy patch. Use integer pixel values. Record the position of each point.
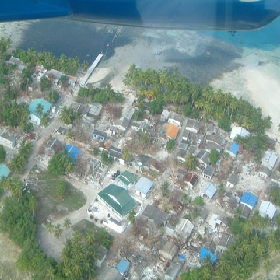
(84, 226)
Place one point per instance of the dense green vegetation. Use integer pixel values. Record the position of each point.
(275, 194)
(101, 95)
(176, 89)
(2, 153)
(170, 145)
(106, 158)
(20, 160)
(48, 60)
(61, 163)
(78, 259)
(251, 246)
(68, 116)
(214, 156)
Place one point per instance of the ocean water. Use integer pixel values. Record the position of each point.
(266, 38)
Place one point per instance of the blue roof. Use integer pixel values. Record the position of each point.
(4, 171)
(234, 148)
(73, 151)
(123, 266)
(249, 199)
(205, 252)
(33, 106)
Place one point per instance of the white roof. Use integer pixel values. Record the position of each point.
(267, 209)
(269, 159)
(143, 185)
(209, 190)
(239, 131)
(214, 220)
(185, 227)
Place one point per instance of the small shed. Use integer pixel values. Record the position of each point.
(123, 267)
(209, 190)
(126, 179)
(267, 209)
(249, 199)
(4, 171)
(205, 253)
(143, 187)
(73, 152)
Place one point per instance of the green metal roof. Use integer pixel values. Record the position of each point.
(129, 176)
(4, 171)
(118, 198)
(33, 105)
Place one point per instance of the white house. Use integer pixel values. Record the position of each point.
(143, 187)
(239, 131)
(267, 209)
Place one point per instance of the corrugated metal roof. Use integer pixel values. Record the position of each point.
(267, 209)
(118, 198)
(143, 185)
(210, 190)
(249, 199)
(171, 130)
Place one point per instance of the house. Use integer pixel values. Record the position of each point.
(217, 139)
(110, 273)
(214, 221)
(127, 114)
(235, 149)
(223, 243)
(209, 190)
(184, 144)
(173, 270)
(123, 267)
(164, 116)
(239, 131)
(34, 117)
(193, 126)
(80, 108)
(8, 140)
(213, 146)
(94, 110)
(205, 253)
(203, 158)
(191, 179)
(270, 158)
(117, 199)
(4, 171)
(53, 147)
(99, 135)
(169, 250)
(184, 229)
(153, 213)
(181, 155)
(73, 151)
(116, 225)
(139, 125)
(267, 209)
(72, 81)
(249, 199)
(101, 256)
(116, 153)
(208, 172)
(264, 172)
(175, 119)
(171, 130)
(143, 187)
(232, 180)
(126, 179)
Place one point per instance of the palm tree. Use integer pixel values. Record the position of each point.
(45, 120)
(50, 272)
(32, 203)
(39, 110)
(90, 237)
(57, 231)
(67, 223)
(50, 227)
(190, 162)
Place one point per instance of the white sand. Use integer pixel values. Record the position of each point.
(14, 30)
(258, 83)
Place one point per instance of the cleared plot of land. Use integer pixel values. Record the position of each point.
(50, 202)
(8, 256)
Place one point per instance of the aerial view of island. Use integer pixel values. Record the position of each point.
(134, 153)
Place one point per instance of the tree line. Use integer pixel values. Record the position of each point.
(196, 100)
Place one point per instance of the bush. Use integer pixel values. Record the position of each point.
(224, 123)
(199, 201)
(170, 145)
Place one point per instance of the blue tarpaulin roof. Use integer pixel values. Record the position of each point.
(234, 148)
(73, 151)
(249, 199)
(123, 266)
(205, 252)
